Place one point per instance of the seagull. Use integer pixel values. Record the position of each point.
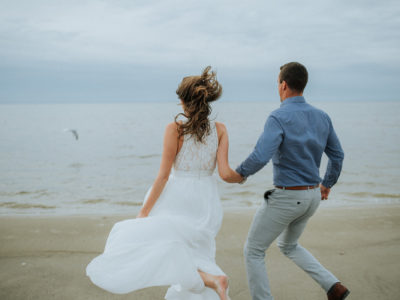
(74, 132)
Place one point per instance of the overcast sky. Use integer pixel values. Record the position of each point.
(105, 51)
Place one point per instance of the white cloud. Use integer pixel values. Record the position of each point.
(246, 41)
(227, 33)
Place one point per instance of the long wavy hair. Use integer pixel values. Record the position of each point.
(196, 93)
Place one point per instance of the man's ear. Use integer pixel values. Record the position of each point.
(284, 85)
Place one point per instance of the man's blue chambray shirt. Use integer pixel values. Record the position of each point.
(295, 136)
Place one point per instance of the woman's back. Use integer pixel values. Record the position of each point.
(198, 157)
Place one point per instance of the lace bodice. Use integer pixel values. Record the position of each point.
(196, 157)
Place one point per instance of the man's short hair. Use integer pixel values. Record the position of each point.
(295, 75)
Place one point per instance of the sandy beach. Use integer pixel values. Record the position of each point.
(45, 257)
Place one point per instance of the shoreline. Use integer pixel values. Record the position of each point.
(45, 256)
(227, 209)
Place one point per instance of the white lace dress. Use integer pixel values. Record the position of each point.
(177, 238)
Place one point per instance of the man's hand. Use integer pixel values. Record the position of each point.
(243, 179)
(324, 192)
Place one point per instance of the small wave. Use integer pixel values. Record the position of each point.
(244, 194)
(23, 192)
(76, 165)
(148, 156)
(373, 195)
(247, 203)
(94, 201)
(134, 156)
(364, 183)
(41, 194)
(128, 203)
(239, 195)
(126, 156)
(25, 205)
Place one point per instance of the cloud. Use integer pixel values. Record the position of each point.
(237, 37)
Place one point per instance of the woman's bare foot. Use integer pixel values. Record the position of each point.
(218, 283)
(221, 283)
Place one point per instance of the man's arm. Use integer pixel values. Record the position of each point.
(265, 148)
(335, 154)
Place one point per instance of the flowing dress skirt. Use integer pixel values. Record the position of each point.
(169, 246)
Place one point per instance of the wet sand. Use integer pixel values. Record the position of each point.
(45, 257)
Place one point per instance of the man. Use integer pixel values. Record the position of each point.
(295, 137)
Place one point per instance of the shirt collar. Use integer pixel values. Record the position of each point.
(295, 99)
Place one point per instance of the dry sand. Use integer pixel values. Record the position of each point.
(45, 257)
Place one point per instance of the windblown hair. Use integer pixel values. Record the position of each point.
(197, 92)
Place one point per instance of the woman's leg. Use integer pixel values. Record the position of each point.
(219, 283)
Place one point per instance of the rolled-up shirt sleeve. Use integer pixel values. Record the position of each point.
(335, 154)
(266, 146)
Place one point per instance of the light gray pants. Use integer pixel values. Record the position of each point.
(283, 215)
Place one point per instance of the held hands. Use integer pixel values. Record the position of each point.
(243, 179)
(324, 192)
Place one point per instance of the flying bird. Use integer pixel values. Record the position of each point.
(74, 132)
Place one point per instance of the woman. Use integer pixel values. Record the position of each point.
(172, 240)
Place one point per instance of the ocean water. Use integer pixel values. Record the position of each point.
(109, 168)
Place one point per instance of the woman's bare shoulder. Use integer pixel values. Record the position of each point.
(172, 127)
(220, 127)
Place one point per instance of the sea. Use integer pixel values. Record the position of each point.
(108, 168)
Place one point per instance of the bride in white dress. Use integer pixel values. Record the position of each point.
(172, 240)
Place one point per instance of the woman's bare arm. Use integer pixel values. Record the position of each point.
(224, 170)
(168, 156)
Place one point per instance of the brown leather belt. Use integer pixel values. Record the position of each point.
(305, 187)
